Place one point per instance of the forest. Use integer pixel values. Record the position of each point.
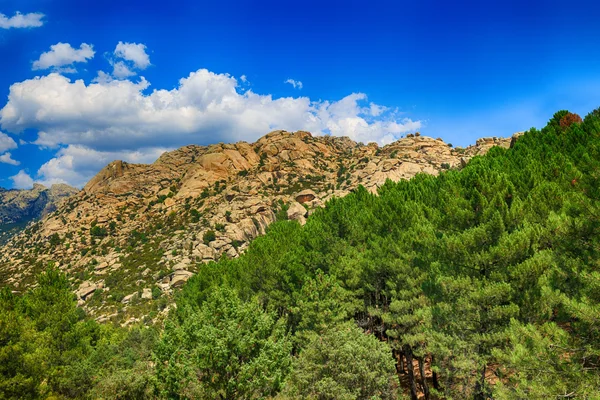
(479, 283)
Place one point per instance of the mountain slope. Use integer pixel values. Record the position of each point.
(137, 227)
(478, 283)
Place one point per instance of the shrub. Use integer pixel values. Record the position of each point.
(55, 239)
(208, 236)
(195, 215)
(98, 231)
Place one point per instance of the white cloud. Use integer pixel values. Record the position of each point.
(126, 60)
(7, 159)
(6, 143)
(31, 20)
(121, 70)
(63, 55)
(22, 180)
(295, 84)
(116, 118)
(377, 110)
(102, 78)
(134, 52)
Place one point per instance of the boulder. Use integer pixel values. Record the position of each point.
(85, 289)
(127, 299)
(101, 266)
(180, 277)
(305, 196)
(219, 243)
(297, 212)
(182, 264)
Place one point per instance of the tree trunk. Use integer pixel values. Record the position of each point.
(400, 364)
(423, 380)
(434, 376)
(480, 386)
(411, 372)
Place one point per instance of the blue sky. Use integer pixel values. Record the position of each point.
(130, 79)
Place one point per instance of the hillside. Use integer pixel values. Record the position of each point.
(138, 228)
(481, 282)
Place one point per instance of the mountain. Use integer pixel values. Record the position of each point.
(135, 228)
(18, 207)
(480, 282)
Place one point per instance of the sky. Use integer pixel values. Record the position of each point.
(85, 83)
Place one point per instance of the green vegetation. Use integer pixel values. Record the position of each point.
(98, 231)
(225, 349)
(209, 236)
(49, 349)
(344, 363)
(479, 283)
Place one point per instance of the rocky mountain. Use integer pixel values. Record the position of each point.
(136, 232)
(17, 207)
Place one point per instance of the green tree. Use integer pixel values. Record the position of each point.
(21, 360)
(225, 349)
(544, 362)
(343, 363)
(321, 304)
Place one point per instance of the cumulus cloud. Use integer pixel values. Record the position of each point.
(7, 159)
(121, 70)
(62, 55)
(118, 118)
(134, 52)
(377, 110)
(127, 59)
(295, 84)
(6, 143)
(22, 180)
(31, 20)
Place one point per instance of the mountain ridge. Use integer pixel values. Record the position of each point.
(151, 225)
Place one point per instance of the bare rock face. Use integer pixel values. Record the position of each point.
(297, 212)
(138, 226)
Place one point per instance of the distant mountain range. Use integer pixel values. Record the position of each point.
(19, 207)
